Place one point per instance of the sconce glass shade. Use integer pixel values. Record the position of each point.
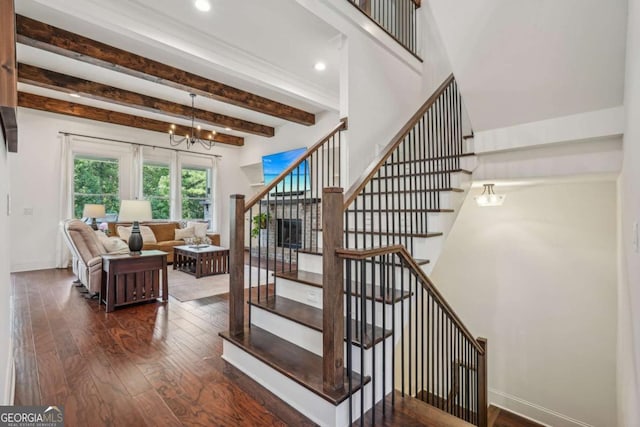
(135, 210)
(489, 197)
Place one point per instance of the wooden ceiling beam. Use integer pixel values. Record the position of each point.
(69, 84)
(43, 103)
(47, 37)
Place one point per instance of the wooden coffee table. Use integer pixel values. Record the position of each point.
(205, 260)
(128, 279)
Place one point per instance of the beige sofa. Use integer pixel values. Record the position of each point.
(164, 233)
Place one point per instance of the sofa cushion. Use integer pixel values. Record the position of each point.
(147, 235)
(112, 245)
(184, 233)
(164, 231)
(200, 227)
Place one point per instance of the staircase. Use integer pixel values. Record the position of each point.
(344, 322)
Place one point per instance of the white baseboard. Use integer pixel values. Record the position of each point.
(10, 385)
(33, 265)
(532, 411)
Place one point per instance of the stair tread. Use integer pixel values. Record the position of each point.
(315, 279)
(387, 233)
(312, 317)
(298, 364)
(410, 175)
(427, 159)
(419, 190)
(401, 210)
(418, 261)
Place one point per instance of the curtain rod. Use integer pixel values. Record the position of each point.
(137, 143)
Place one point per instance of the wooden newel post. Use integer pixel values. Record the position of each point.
(332, 290)
(236, 265)
(483, 386)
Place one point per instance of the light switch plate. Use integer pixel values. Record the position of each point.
(636, 238)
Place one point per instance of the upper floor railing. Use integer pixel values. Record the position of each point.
(399, 18)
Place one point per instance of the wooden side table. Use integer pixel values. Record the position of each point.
(128, 279)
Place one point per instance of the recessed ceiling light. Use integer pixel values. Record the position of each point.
(203, 5)
(320, 66)
(75, 95)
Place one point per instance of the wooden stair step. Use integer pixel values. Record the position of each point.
(310, 251)
(468, 136)
(396, 233)
(419, 190)
(429, 159)
(315, 279)
(409, 411)
(292, 361)
(447, 405)
(418, 261)
(410, 175)
(312, 317)
(384, 210)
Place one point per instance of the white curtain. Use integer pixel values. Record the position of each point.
(136, 172)
(176, 183)
(63, 256)
(215, 194)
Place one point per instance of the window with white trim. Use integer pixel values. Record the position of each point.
(156, 187)
(95, 181)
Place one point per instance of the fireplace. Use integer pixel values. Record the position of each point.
(290, 233)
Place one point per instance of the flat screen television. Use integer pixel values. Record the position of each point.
(297, 181)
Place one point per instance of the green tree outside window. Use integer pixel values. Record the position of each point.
(95, 181)
(194, 192)
(156, 187)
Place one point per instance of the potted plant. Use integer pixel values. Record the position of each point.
(259, 223)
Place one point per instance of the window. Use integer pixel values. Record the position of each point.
(95, 181)
(156, 187)
(196, 193)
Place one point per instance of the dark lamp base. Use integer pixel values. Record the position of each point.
(135, 240)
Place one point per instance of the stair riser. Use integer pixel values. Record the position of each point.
(310, 404)
(440, 200)
(311, 263)
(384, 313)
(311, 340)
(431, 221)
(469, 162)
(301, 292)
(422, 248)
(407, 182)
(469, 145)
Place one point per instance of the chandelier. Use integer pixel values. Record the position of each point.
(194, 134)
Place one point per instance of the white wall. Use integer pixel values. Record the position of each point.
(537, 277)
(381, 84)
(6, 358)
(35, 174)
(629, 285)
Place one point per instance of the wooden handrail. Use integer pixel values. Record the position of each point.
(375, 166)
(361, 254)
(255, 199)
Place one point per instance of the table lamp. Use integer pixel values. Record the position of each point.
(93, 212)
(135, 210)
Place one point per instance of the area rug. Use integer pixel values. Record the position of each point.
(185, 287)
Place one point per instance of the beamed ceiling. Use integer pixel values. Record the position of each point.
(147, 91)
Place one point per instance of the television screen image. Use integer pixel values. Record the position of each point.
(274, 164)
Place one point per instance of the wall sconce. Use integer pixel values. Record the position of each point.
(489, 197)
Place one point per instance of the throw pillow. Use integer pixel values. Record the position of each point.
(124, 232)
(197, 240)
(183, 233)
(200, 228)
(147, 234)
(114, 245)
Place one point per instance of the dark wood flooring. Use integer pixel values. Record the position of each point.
(144, 365)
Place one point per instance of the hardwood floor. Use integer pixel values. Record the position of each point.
(152, 364)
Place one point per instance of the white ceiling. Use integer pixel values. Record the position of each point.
(519, 61)
(267, 48)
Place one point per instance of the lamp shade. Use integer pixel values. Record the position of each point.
(93, 211)
(135, 210)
